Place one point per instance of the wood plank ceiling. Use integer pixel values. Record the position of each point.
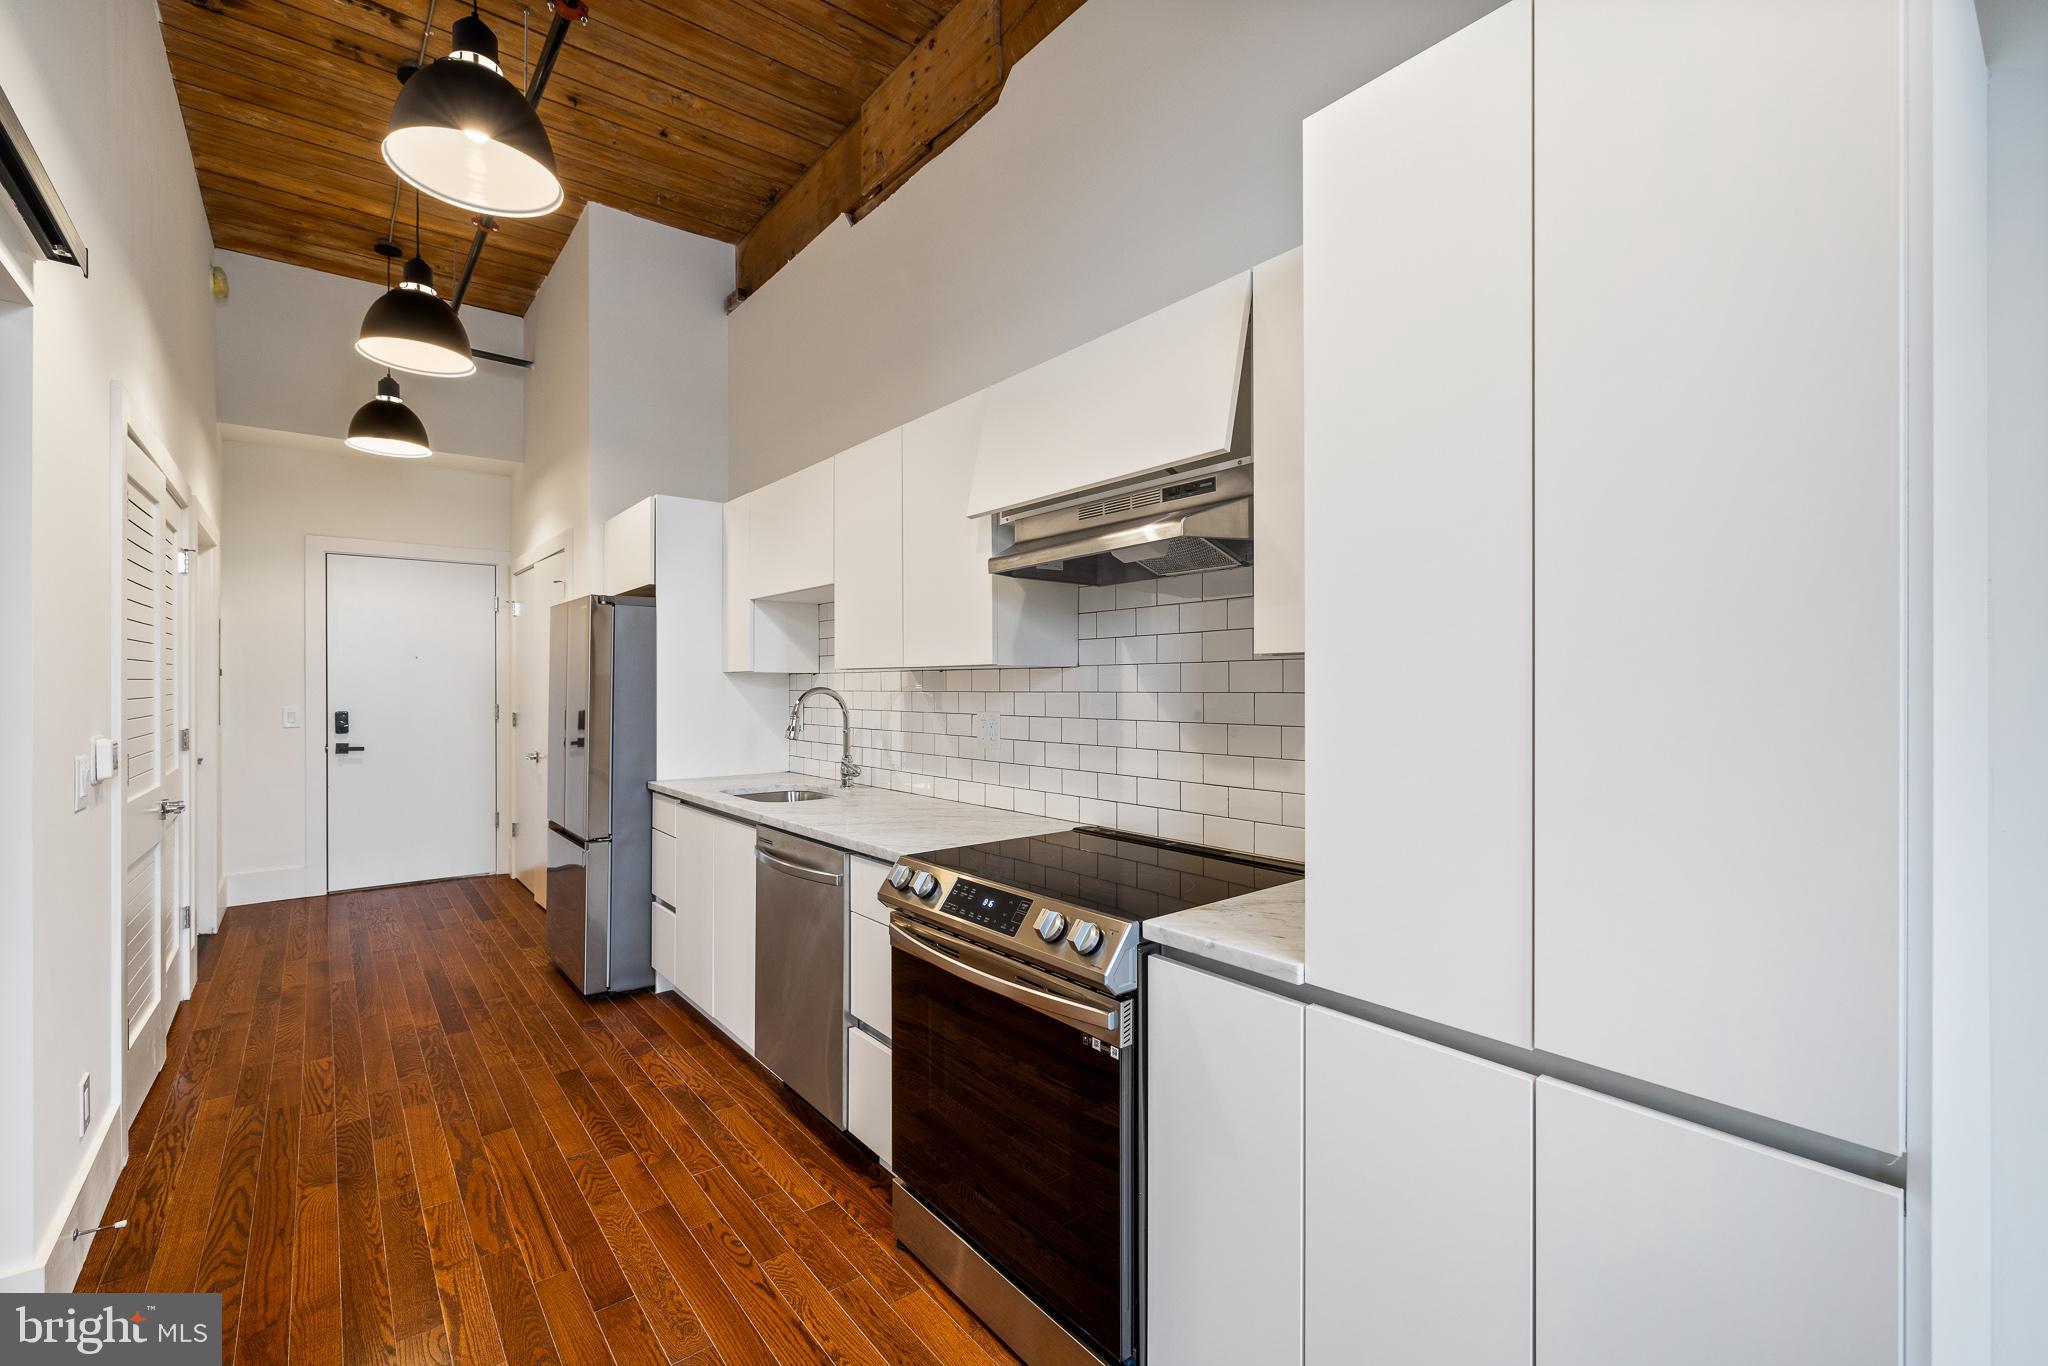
(701, 114)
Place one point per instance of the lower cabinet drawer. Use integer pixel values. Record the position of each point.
(664, 943)
(664, 873)
(867, 1091)
(868, 948)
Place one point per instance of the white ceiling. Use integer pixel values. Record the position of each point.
(2015, 31)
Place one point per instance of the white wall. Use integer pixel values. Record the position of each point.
(1143, 151)
(627, 396)
(92, 88)
(284, 350)
(1960, 1133)
(2019, 710)
(276, 498)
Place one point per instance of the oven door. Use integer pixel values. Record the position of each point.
(1014, 1121)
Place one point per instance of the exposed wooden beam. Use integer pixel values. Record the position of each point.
(953, 76)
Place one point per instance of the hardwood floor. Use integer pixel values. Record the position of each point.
(390, 1131)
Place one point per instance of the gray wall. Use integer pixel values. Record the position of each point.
(1144, 150)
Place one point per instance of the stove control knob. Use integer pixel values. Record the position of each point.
(1050, 925)
(899, 877)
(1087, 936)
(925, 886)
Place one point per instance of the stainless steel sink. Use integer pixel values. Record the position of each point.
(777, 794)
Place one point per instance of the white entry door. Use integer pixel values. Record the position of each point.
(154, 960)
(412, 668)
(535, 588)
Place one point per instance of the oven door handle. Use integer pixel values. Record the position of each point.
(1091, 1020)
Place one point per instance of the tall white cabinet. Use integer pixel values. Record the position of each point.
(1720, 562)
(1416, 192)
(1604, 326)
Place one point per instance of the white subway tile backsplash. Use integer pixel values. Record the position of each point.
(1168, 726)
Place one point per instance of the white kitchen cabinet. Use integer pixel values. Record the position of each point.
(1417, 396)
(662, 942)
(868, 1091)
(1421, 1207)
(1658, 1240)
(778, 567)
(664, 870)
(1224, 1170)
(868, 967)
(867, 945)
(1277, 508)
(628, 560)
(868, 526)
(1157, 392)
(731, 848)
(955, 613)
(694, 960)
(1721, 569)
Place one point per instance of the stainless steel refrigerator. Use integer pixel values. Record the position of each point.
(600, 760)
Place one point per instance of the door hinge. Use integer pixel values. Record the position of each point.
(184, 917)
(495, 817)
(515, 829)
(515, 720)
(497, 604)
(497, 711)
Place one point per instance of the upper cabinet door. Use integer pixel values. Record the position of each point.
(1417, 428)
(1720, 570)
(1276, 455)
(1160, 391)
(867, 594)
(1658, 1240)
(955, 613)
(778, 565)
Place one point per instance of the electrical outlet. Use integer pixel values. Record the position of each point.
(988, 732)
(85, 1106)
(81, 781)
(291, 718)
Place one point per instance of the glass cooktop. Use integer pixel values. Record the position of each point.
(1112, 874)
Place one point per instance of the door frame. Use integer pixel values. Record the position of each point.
(554, 545)
(318, 548)
(130, 424)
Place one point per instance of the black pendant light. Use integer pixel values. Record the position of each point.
(385, 426)
(463, 133)
(411, 328)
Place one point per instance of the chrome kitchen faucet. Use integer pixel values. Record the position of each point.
(848, 769)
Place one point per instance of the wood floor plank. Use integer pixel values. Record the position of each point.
(389, 1131)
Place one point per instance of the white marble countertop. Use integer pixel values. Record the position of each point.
(874, 821)
(1260, 932)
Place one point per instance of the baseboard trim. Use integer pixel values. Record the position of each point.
(60, 1257)
(267, 884)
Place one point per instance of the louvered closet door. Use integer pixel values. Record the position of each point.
(152, 770)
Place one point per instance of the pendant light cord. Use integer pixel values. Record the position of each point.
(426, 32)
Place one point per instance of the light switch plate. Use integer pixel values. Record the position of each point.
(81, 781)
(291, 718)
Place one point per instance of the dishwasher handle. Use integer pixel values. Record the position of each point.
(783, 865)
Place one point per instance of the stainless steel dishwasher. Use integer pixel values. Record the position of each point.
(800, 967)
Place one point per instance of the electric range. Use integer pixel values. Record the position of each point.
(1015, 1062)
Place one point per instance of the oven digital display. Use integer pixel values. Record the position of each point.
(1002, 912)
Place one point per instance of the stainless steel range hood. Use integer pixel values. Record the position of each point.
(1181, 521)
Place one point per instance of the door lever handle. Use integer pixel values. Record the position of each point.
(168, 807)
(534, 755)
(344, 747)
